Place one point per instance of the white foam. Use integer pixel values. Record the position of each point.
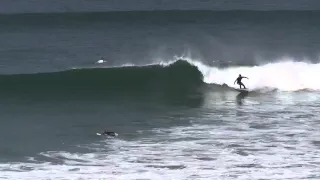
(287, 76)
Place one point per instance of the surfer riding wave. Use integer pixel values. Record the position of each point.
(238, 80)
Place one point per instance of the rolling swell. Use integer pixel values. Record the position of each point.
(179, 77)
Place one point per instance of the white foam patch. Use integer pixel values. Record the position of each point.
(287, 76)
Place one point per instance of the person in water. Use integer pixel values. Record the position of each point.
(238, 80)
(109, 133)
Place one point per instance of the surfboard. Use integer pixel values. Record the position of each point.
(242, 90)
(98, 134)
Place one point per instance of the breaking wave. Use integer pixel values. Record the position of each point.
(176, 76)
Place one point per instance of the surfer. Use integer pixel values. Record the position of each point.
(238, 80)
(109, 133)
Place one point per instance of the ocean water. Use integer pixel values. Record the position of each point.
(166, 86)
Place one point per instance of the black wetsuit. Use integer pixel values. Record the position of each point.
(109, 133)
(239, 81)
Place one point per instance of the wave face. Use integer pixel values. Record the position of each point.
(177, 77)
